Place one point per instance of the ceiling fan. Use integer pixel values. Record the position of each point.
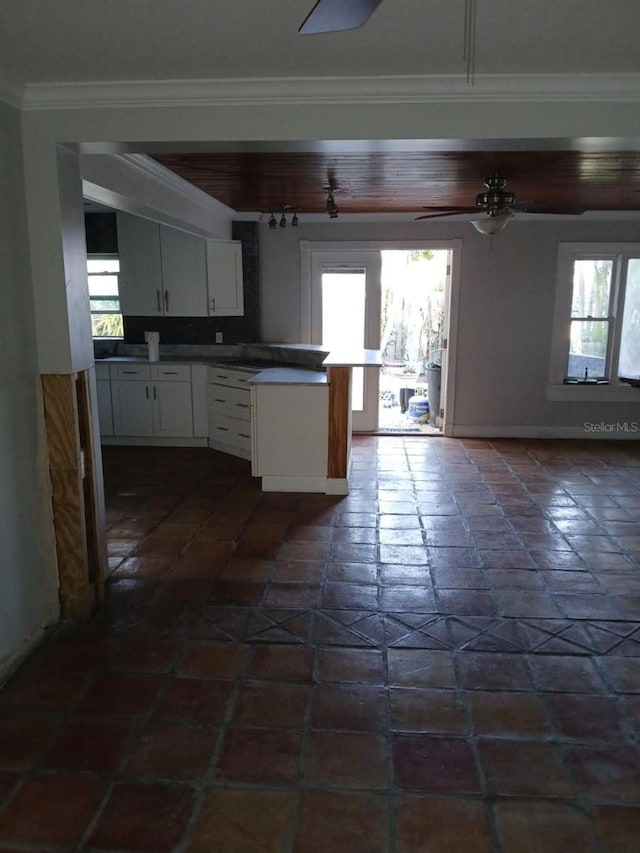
(499, 205)
(330, 16)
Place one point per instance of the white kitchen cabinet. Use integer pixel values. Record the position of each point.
(152, 401)
(290, 436)
(140, 278)
(184, 273)
(229, 406)
(163, 271)
(103, 390)
(225, 278)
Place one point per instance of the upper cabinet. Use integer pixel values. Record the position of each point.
(224, 278)
(166, 272)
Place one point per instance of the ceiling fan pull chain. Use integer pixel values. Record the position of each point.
(469, 39)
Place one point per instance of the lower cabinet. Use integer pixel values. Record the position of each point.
(229, 408)
(152, 401)
(290, 436)
(105, 408)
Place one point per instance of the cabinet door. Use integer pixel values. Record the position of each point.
(140, 279)
(224, 278)
(172, 410)
(184, 273)
(132, 408)
(105, 410)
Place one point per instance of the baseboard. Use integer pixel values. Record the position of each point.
(12, 663)
(153, 441)
(295, 484)
(598, 430)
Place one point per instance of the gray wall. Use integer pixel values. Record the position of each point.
(506, 304)
(28, 601)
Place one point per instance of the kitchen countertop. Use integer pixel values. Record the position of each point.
(289, 376)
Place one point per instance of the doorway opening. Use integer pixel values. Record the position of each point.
(414, 285)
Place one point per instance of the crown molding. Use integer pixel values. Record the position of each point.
(336, 90)
(11, 95)
(160, 174)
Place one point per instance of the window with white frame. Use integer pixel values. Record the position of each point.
(104, 296)
(597, 316)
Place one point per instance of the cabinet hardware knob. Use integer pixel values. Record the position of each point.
(223, 429)
(158, 301)
(155, 393)
(146, 391)
(166, 300)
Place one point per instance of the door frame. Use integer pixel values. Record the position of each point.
(452, 300)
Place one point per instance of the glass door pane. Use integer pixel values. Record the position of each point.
(629, 363)
(344, 297)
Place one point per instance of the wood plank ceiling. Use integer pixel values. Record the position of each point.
(406, 181)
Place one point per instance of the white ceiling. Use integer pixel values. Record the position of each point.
(101, 40)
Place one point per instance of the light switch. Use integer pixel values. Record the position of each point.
(218, 337)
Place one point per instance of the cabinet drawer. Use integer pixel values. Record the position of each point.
(130, 371)
(171, 372)
(232, 378)
(231, 431)
(234, 402)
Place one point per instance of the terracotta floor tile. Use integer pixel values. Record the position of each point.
(304, 596)
(137, 654)
(605, 773)
(443, 765)
(350, 596)
(622, 673)
(207, 660)
(47, 692)
(98, 746)
(565, 674)
(347, 760)
(357, 707)
(521, 768)
(543, 827)
(412, 599)
(492, 671)
(304, 550)
(298, 571)
(272, 704)
(130, 817)
(426, 710)
(618, 827)
(260, 756)
(21, 741)
(223, 825)
(8, 782)
(146, 568)
(465, 602)
(51, 810)
(421, 668)
(247, 569)
(194, 700)
(504, 714)
(172, 752)
(335, 822)
(579, 717)
(121, 694)
(281, 663)
(238, 593)
(356, 573)
(441, 826)
(351, 665)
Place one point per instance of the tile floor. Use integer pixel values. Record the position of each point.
(447, 660)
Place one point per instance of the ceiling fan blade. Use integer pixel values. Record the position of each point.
(448, 211)
(536, 207)
(330, 16)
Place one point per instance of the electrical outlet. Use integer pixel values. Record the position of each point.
(218, 337)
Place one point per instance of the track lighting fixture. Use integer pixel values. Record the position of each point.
(332, 209)
(284, 210)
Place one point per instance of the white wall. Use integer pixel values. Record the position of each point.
(506, 303)
(28, 599)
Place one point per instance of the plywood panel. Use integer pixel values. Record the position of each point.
(339, 421)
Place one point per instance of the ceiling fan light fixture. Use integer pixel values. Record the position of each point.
(492, 225)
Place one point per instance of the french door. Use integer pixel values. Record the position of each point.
(345, 315)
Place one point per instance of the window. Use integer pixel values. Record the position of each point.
(106, 317)
(597, 317)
